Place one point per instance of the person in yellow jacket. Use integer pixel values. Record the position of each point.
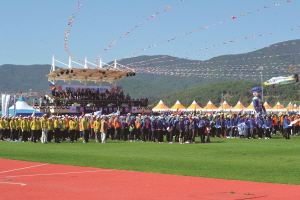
(63, 129)
(50, 127)
(56, 129)
(77, 130)
(25, 128)
(72, 128)
(17, 122)
(44, 129)
(6, 128)
(19, 130)
(2, 124)
(35, 127)
(97, 126)
(85, 129)
(13, 127)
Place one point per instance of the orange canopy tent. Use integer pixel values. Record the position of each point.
(290, 107)
(210, 106)
(194, 106)
(250, 107)
(160, 106)
(239, 106)
(225, 106)
(278, 106)
(267, 106)
(178, 106)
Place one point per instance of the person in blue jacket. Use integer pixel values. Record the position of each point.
(223, 125)
(193, 129)
(181, 130)
(253, 125)
(286, 127)
(171, 127)
(260, 124)
(143, 129)
(176, 130)
(153, 128)
(186, 129)
(212, 126)
(124, 129)
(160, 129)
(247, 126)
(202, 128)
(208, 129)
(268, 126)
(228, 127)
(218, 126)
(234, 123)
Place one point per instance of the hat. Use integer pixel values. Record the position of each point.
(256, 89)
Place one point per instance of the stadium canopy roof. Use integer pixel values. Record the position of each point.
(90, 73)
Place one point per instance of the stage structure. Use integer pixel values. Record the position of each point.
(96, 98)
(90, 72)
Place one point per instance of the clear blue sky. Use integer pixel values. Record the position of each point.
(34, 30)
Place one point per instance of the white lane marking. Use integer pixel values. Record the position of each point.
(22, 184)
(23, 168)
(61, 173)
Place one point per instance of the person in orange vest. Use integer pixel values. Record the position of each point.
(111, 124)
(92, 131)
(117, 125)
(67, 126)
(297, 125)
(147, 129)
(275, 121)
(281, 118)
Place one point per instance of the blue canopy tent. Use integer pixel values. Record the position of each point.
(22, 108)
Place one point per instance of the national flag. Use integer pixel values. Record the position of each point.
(51, 86)
(119, 88)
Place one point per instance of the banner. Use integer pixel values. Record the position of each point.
(98, 89)
(15, 109)
(7, 105)
(141, 110)
(3, 105)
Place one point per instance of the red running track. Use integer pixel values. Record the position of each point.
(31, 180)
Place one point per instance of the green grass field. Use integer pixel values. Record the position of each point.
(273, 161)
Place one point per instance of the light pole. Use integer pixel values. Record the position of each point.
(222, 100)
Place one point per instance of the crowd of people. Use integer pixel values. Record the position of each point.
(68, 97)
(164, 128)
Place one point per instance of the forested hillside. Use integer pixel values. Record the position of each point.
(171, 78)
(232, 92)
